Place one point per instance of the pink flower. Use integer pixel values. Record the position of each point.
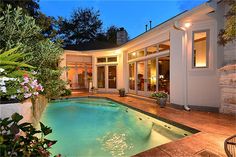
(17, 136)
(27, 95)
(26, 88)
(39, 87)
(50, 144)
(26, 80)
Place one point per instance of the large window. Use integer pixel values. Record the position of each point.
(101, 60)
(141, 73)
(160, 47)
(112, 76)
(101, 77)
(131, 77)
(151, 75)
(200, 49)
(164, 46)
(140, 53)
(164, 74)
(107, 59)
(151, 49)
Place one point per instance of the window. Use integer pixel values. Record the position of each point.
(140, 53)
(140, 74)
(151, 49)
(101, 60)
(131, 77)
(111, 76)
(101, 77)
(132, 55)
(164, 46)
(112, 59)
(151, 75)
(200, 49)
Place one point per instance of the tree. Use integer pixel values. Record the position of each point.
(17, 28)
(111, 34)
(47, 24)
(83, 26)
(228, 34)
(30, 7)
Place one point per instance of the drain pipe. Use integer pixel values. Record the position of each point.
(176, 26)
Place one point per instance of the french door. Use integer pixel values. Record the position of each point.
(107, 77)
(149, 75)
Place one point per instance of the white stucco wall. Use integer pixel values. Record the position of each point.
(177, 68)
(202, 87)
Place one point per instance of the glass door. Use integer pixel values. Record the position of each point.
(164, 74)
(151, 76)
(141, 77)
(101, 77)
(112, 76)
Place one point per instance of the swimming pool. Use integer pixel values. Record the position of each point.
(101, 127)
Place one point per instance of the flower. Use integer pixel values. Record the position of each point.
(34, 72)
(3, 89)
(26, 88)
(50, 144)
(13, 96)
(36, 93)
(39, 87)
(27, 95)
(2, 70)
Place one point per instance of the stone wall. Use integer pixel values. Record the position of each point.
(227, 82)
(25, 109)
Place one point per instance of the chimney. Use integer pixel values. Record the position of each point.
(121, 36)
(146, 27)
(150, 24)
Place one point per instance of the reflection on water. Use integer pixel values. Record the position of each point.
(115, 143)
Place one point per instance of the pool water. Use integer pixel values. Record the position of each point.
(101, 127)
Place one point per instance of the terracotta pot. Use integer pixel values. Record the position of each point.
(162, 102)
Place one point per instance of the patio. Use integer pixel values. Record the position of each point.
(209, 142)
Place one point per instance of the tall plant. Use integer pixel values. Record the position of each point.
(18, 28)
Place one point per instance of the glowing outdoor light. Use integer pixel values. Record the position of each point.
(117, 52)
(187, 25)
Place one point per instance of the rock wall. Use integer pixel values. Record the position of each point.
(227, 82)
(25, 109)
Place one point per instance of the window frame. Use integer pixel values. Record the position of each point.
(207, 48)
(101, 58)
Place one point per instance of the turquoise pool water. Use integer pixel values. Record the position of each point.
(100, 127)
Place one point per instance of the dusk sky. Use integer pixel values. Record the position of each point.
(133, 15)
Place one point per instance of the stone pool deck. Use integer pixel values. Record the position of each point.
(209, 142)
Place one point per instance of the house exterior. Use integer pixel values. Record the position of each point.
(180, 56)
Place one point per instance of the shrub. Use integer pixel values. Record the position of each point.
(159, 94)
(66, 92)
(22, 139)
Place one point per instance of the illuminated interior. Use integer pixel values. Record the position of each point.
(112, 76)
(101, 76)
(164, 74)
(140, 74)
(151, 75)
(200, 49)
(78, 75)
(131, 77)
(164, 46)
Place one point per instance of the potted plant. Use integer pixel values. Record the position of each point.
(161, 97)
(122, 92)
